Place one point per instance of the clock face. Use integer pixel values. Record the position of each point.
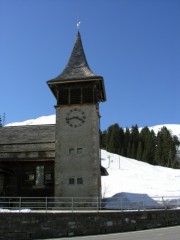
(75, 117)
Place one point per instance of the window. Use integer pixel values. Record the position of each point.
(29, 176)
(1, 182)
(79, 181)
(79, 150)
(39, 176)
(71, 181)
(71, 151)
(48, 177)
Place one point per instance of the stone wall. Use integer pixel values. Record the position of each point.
(27, 226)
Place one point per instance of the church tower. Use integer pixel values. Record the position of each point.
(77, 152)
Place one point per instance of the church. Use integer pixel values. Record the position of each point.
(62, 159)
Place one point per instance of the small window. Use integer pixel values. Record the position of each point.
(71, 181)
(40, 176)
(29, 176)
(71, 151)
(79, 181)
(48, 177)
(79, 150)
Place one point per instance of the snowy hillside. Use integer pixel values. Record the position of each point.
(38, 121)
(174, 128)
(132, 176)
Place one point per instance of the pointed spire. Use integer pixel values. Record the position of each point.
(77, 67)
(77, 71)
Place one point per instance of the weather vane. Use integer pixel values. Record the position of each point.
(78, 24)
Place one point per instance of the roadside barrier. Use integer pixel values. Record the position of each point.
(73, 204)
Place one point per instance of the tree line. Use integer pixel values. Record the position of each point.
(145, 145)
(2, 120)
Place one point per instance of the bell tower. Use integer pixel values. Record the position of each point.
(78, 92)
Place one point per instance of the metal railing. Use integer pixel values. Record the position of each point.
(46, 204)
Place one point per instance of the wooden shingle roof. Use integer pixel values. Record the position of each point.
(27, 142)
(27, 134)
(77, 67)
(77, 71)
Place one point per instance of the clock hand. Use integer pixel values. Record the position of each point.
(73, 117)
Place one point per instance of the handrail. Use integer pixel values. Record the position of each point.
(86, 203)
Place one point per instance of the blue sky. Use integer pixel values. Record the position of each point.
(133, 44)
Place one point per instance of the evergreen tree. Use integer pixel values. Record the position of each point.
(153, 148)
(125, 149)
(121, 140)
(133, 150)
(174, 149)
(114, 137)
(129, 150)
(134, 139)
(103, 139)
(166, 148)
(144, 146)
(147, 140)
(139, 149)
(0, 121)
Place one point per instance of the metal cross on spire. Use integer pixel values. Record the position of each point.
(78, 25)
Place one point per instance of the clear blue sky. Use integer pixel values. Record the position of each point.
(133, 44)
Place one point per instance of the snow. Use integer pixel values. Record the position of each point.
(132, 180)
(51, 119)
(173, 128)
(129, 175)
(2, 210)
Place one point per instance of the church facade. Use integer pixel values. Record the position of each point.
(61, 160)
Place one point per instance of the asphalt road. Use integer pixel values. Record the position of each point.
(171, 233)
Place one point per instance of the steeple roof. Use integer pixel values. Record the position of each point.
(77, 71)
(77, 67)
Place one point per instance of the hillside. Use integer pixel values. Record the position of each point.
(132, 176)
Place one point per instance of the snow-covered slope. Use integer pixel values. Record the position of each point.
(173, 128)
(132, 176)
(38, 121)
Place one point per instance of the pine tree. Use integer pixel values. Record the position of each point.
(147, 139)
(103, 139)
(134, 139)
(129, 150)
(114, 139)
(144, 146)
(139, 149)
(176, 144)
(166, 148)
(121, 140)
(125, 149)
(153, 147)
(0, 121)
